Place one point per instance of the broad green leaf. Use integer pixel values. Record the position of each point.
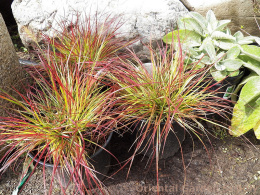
(244, 118)
(200, 65)
(246, 113)
(209, 30)
(250, 91)
(202, 58)
(218, 75)
(200, 19)
(210, 17)
(252, 116)
(222, 24)
(258, 101)
(257, 130)
(188, 60)
(212, 21)
(232, 64)
(251, 63)
(233, 73)
(246, 40)
(187, 37)
(222, 35)
(233, 52)
(206, 60)
(180, 24)
(224, 44)
(221, 56)
(192, 24)
(251, 51)
(257, 39)
(208, 46)
(228, 31)
(241, 84)
(238, 35)
(200, 55)
(190, 51)
(219, 66)
(185, 23)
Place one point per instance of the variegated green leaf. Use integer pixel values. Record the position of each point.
(246, 113)
(222, 24)
(257, 39)
(219, 75)
(238, 35)
(251, 63)
(258, 101)
(200, 65)
(241, 84)
(210, 17)
(222, 35)
(233, 52)
(224, 44)
(232, 64)
(251, 51)
(233, 73)
(184, 24)
(228, 31)
(192, 24)
(206, 60)
(244, 118)
(186, 37)
(208, 46)
(246, 40)
(209, 30)
(220, 66)
(250, 91)
(200, 19)
(220, 56)
(257, 130)
(211, 20)
(180, 24)
(190, 51)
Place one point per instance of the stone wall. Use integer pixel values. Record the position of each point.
(148, 19)
(10, 69)
(241, 13)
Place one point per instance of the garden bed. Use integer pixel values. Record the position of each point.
(224, 165)
(228, 166)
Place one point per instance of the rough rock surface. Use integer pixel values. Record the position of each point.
(144, 18)
(241, 12)
(10, 69)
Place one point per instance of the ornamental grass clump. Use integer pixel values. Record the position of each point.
(63, 119)
(164, 93)
(89, 39)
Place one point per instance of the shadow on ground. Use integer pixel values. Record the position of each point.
(228, 166)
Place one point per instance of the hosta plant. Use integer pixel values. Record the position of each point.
(63, 119)
(166, 92)
(208, 41)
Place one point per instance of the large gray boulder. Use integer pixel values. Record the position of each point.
(10, 70)
(148, 19)
(240, 12)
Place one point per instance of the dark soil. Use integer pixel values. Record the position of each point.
(225, 165)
